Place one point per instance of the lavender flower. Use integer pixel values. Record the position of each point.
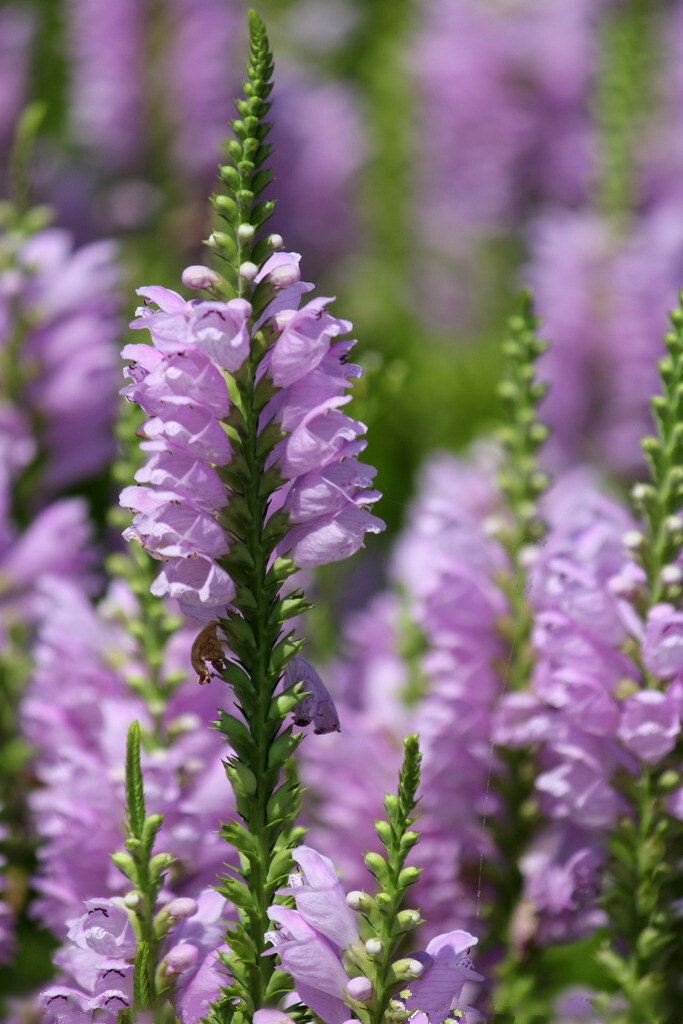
(503, 101)
(200, 78)
(603, 298)
(450, 681)
(59, 307)
(76, 712)
(319, 152)
(106, 47)
(313, 943)
(440, 682)
(96, 963)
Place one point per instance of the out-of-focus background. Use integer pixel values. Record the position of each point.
(432, 158)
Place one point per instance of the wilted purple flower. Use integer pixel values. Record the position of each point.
(318, 706)
(179, 382)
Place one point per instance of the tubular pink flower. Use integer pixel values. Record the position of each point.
(320, 898)
(447, 970)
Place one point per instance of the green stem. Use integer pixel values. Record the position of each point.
(516, 995)
(264, 685)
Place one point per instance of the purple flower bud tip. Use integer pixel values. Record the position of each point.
(276, 241)
(285, 276)
(248, 271)
(355, 899)
(180, 958)
(199, 277)
(271, 1016)
(182, 907)
(360, 988)
(283, 318)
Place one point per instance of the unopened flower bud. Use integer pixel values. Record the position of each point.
(669, 780)
(360, 988)
(528, 556)
(673, 524)
(642, 492)
(374, 947)
(284, 276)
(132, 899)
(622, 585)
(356, 899)
(185, 723)
(275, 241)
(407, 969)
(282, 319)
(493, 526)
(408, 876)
(180, 959)
(408, 919)
(245, 232)
(672, 575)
(248, 271)
(633, 540)
(181, 907)
(199, 277)
(219, 240)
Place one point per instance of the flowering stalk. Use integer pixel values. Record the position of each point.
(145, 872)
(522, 483)
(623, 95)
(153, 623)
(644, 871)
(331, 966)
(253, 629)
(393, 878)
(253, 475)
